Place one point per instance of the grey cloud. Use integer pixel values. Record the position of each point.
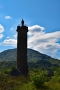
(34, 29)
(44, 42)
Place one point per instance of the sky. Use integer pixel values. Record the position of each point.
(42, 18)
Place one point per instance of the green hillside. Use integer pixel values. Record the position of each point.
(10, 55)
(35, 59)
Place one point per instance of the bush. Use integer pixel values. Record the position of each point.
(7, 71)
(38, 79)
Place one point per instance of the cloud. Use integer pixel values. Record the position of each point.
(1, 31)
(47, 43)
(38, 39)
(1, 28)
(1, 36)
(8, 17)
(10, 42)
(34, 29)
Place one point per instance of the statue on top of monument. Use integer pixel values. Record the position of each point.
(22, 22)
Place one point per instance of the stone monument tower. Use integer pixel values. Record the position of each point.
(22, 49)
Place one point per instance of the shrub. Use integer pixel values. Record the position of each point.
(7, 71)
(38, 79)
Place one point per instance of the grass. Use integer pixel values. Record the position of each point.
(26, 83)
(54, 83)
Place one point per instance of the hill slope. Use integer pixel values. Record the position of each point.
(35, 59)
(10, 55)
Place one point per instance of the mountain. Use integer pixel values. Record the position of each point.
(35, 59)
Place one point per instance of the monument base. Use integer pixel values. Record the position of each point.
(16, 72)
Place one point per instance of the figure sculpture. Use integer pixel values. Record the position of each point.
(22, 22)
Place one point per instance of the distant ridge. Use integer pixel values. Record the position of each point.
(35, 59)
